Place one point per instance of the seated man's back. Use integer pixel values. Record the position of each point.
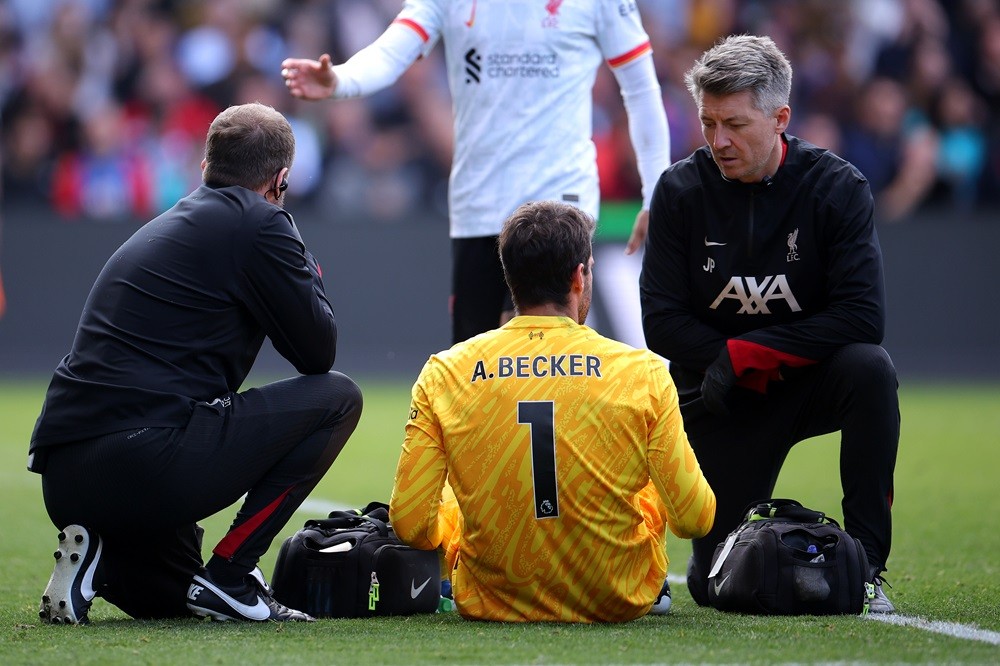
(558, 444)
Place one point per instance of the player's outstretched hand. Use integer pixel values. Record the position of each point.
(309, 79)
(719, 380)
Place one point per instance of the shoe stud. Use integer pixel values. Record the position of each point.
(46, 599)
(62, 536)
(57, 554)
(79, 538)
(74, 557)
(62, 604)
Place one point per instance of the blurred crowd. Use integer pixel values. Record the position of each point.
(105, 103)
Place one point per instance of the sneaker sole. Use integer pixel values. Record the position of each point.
(212, 615)
(68, 595)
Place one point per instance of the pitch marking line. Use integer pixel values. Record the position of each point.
(315, 506)
(953, 629)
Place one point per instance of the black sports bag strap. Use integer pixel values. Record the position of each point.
(375, 514)
(380, 525)
(785, 509)
(376, 508)
(336, 520)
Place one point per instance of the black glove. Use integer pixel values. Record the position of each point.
(719, 380)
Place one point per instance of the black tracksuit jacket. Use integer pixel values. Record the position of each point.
(782, 272)
(179, 313)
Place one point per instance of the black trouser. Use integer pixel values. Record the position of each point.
(479, 293)
(855, 392)
(143, 490)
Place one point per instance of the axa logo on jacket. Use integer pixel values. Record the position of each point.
(754, 296)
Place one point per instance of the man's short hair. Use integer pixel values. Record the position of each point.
(247, 145)
(541, 244)
(743, 62)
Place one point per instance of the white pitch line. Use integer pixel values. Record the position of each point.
(674, 579)
(312, 505)
(953, 629)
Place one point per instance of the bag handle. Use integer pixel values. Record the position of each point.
(376, 513)
(785, 509)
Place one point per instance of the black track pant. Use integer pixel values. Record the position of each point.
(479, 291)
(854, 392)
(143, 490)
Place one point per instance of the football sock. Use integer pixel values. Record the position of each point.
(225, 573)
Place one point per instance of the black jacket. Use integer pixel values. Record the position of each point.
(179, 313)
(782, 272)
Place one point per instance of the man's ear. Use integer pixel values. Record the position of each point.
(204, 163)
(578, 280)
(783, 116)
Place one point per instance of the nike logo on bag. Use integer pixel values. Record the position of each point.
(718, 586)
(415, 591)
(709, 243)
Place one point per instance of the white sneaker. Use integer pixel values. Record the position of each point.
(663, 601)
(70, 591)
(877, 601)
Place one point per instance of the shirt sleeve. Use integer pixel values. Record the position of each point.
(414, 507)
(412, 34)
(673, 466)
(284, 291)
(620, 33)
(380, 64)
(647, 121)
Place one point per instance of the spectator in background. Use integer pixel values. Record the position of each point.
(957, 115)
(898, 161)
(171, 120)
(3, 294)
(819, 129)
(27, 161)
(523, 117)
(109, 177)
(986, 81)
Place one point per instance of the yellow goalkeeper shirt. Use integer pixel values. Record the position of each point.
(548, 434)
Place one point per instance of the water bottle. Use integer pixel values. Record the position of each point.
(446, 603)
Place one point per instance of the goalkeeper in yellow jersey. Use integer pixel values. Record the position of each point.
(545, 460)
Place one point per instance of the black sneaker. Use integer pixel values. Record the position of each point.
(663, 601)
(70, 591)
(251, 602)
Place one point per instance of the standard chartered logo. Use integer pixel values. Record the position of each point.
(473, 66)
(526, 65)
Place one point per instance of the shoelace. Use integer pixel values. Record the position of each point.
(880, 581)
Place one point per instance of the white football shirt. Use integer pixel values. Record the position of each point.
(521, 74)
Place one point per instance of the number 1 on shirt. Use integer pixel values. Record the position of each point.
(540, 418)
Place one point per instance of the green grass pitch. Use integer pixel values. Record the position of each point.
(944, 566)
